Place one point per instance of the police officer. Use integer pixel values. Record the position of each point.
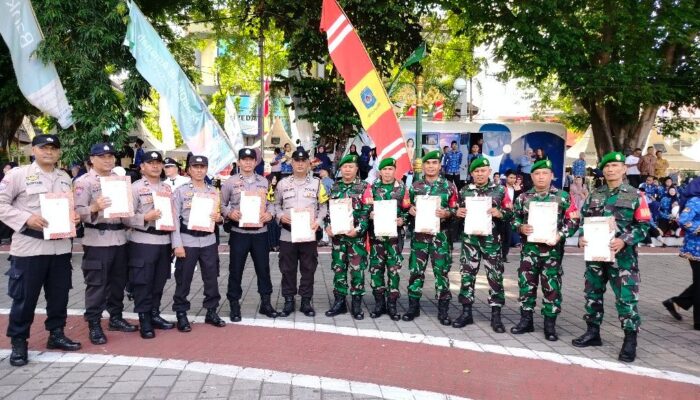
(104, 246)
(244, 241)
(620, 200)
(149, 249)
(193, 246)
(300, 190)
(36, 262)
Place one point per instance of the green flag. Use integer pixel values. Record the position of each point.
(415, 57)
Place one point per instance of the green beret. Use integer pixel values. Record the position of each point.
(479, 162)
(433, 155)
(541, 164)
(350, 158)
(387, 162)
(613, 156)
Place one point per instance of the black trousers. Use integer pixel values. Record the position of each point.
(105, 272)
(149, 270)
(454, 178)
(634, 180)
(208, 259)
(301, 257)
(691, 295)
(27, 275)
(506, 230)
(241, 245)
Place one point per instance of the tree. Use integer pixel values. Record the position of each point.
(620, 60)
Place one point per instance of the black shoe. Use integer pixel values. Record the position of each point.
(629, 347)
(443, 315)
(19, 355)
(671, 307)
(289, 306)
(465, 318)
(550, 329)
(413, 309)
(183, 324)
(235, 314)
(145, 326)
(212, 318)
(379, 306)
(590, 338)
(306, 307)
(340, 306)
(117, 323)
(357, 307)
(391, 309)
(525, 325)
(58, 340)
(95, 332)
(505, 259)
(496, 323)
(266, 308)
(159, 323)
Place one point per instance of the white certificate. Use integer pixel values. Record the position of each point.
(56, 210)
(250, 208)
(598, 231)
(342, 221)
(200, 213)
(118, 190)
(163, 203)
(426, 220)
(478, 220)
(385, 215)
(301, 226)
(542, 216)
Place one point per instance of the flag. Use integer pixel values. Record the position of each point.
(411, 112)
(266, 107)
(415, 57)
(248, 115)
(438, 114)
(200, 131)
(364, 86)
(233, 127)
(38, 82)
(165, 121)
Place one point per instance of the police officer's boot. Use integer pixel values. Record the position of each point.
(212, 318)
(146, 326)
(306, 307)
(266, 308)
(289, 306)
(550, 329)
(590, 338)
(19, 356)
(340, 306)
(629, 347)
(183, 324)
(159, 322)
(443, 315)
(118, 323)
(413, 309)
(525, 325)
(58, 340)
(379, 306)
(357, 307)
(391, 309)
(95, 332)
(465, 318)
(235, 313)
(496, 323)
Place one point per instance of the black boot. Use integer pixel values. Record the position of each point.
(391, 309)
(183, 324)
(212, 318)
(145, 326)
(496, 323)
(306, 307)
(629, 347)
(379, 306)
(525, 325)
(550, 329)
(590, 338)
(158, 322)
(340, 306)
(289, 306)
(413, 309)
(95, 332)
(117, 323)
(266, 308)
(19, 355)
(357, 307)
(443, 315)
(58, 340)
(671, 308)
(465, 318)
(235, 313)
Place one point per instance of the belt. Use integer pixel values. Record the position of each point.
(34, 234)
(105, 227)
(183, 229)
(153, 231)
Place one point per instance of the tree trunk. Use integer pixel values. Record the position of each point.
(10, 121)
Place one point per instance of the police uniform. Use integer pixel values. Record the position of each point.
(36, 262)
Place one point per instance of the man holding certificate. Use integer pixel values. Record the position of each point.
(244, 204)
(36, 262)
(621, 201)
(438, 196)
(346, 225)
(545, 216)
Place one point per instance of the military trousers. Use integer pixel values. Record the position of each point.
(435, 248)
(242, 244)
(149, 270)
(540, 264)
(105, 272)
(298, 258)
(348, 254)
(208, 259)
(476, 249)
(385, 257)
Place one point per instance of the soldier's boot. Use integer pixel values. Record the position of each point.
(19, 355)
(413, 309)
(443, 315)
(266, 308)
(183, 324)
(379, 306)
(525, 325)
(58, 340)
(550, 329)
(629, 347)
(340, 306)
(118, 323)
(496, 323)
(235, 314)
(306, 307)
(465, 318)
(590, 338)
(95, 332)
(289, 306)
(212, 318)
(146, 326)
(391, 309)
(159, 322)
(357, 307)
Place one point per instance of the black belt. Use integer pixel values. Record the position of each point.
(105, 227)
(153, 231)
(34, 234)
(183, 229)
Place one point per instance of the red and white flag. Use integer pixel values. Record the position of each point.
(438, 114)
(411, 112)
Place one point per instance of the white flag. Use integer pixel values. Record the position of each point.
(233, 127)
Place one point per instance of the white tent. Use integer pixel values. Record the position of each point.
(584, 145)
(676, 159)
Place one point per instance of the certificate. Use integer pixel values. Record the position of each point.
(163, 202)
(426, 220)
(251, 207)
(478, 220)
(203, 205)
(385, 215)
(542, 216)
(598, 231)
(118, 190)
(301, 225)
(56, 209)
(342, 220)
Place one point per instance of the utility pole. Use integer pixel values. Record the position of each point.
(417, 161)
(261, 50)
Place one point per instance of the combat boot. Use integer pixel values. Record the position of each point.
(118, 323)
(525, 325)
(212, 318)
(465, 318)
(443, 315)
(629, 347)
(590, 338)
(496, 323)
(550, 329)
(379, 306)
(19, 355)
(340, 306)
(95, 332)
(306, 307)
(235, 314)
(159, 322)
(58, 340)
(183, 324)
(357, 307)
(413, 309)
(289, 306)
(145, 326)
(391, 309)
(266, 308)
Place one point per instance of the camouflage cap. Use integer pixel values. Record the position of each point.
(350, 158)
(613, 156)
(540, 165)
(432, 155)
(478, 163)
(387, 162)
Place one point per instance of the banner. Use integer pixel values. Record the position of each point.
(364, 86)
(37, 81)
(165, 121)
(233, 127)
(248, 115)
(200, 131)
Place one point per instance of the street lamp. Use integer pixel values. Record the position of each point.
(460, 85)
(418, 164)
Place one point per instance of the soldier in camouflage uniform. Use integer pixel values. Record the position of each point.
(542, 261)
(487, 248)
(436, 247)
(349, 249)
(631, 213)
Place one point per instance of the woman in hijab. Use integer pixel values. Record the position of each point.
(668, 219)
(578, 192)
